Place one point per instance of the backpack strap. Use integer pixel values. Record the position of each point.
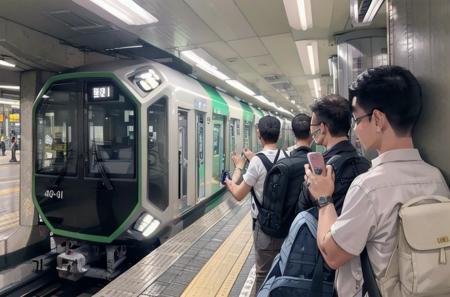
(370, 284)
(268, 165)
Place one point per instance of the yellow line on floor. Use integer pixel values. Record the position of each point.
(234, 273)
(9, 220)
(215, 273)
(9, 191)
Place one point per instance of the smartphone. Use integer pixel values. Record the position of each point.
(316, 162)
(225, 174)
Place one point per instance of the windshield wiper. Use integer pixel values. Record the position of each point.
(99, 162)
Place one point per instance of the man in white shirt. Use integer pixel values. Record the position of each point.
(386, 103)
(266, 247)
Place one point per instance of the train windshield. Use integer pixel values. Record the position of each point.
(56, 130)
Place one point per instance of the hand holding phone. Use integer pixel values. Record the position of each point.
(225, 175)
(316, 162)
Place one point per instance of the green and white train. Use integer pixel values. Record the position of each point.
(126, 151)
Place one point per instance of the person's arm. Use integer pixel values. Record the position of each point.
(320, 185)
(239, 191)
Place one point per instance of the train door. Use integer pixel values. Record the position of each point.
(200, 127)
(218, 150)
(182, 158)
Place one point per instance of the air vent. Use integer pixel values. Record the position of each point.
(79, 23)
(270, 78)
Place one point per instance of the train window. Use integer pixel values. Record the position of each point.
(158, 154)
(218, 150)
(111, 129)
(56, 133)
(248, 134)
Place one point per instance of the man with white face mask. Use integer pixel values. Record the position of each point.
(330, 125)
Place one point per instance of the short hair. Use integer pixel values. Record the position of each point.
(301, 126)
(394, 91)
(334, 111)
(269, 128)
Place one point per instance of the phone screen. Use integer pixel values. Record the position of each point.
(316, 162)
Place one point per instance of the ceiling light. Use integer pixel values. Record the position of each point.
(293, 101)
(202, 64)
(299, 14)
(308, 51)
(314, 85)
(127, 11)
(7, 87)
(372, 11)
(6, 64)
(362, 13)
(236, 84)
(262, 99)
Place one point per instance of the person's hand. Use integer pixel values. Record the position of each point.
(239, 162)
(248, 153)
(320, 185)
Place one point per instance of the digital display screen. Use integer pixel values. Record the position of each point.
(102, 93)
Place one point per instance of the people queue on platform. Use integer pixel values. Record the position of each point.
(352, 205)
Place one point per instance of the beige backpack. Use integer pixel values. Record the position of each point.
(420, 265)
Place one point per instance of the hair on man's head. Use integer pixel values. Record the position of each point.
(334, 111)
(269, 129)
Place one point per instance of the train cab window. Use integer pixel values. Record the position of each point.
(158, 160)
(56, 133)
(111, 137)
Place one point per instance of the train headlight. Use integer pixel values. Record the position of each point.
(146, 224)
(147, 81)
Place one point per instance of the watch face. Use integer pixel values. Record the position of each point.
(322, 201)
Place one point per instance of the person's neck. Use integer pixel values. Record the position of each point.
(270, 146)
(302, 142)
(335, 140)
(396, 143)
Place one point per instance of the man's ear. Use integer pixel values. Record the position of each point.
(380, 120)
(323, 128)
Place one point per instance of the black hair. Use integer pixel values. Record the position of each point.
(300, 125)
(334, 111)
(394, 91)
(269, 129)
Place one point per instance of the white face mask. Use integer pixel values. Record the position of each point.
(315, 134)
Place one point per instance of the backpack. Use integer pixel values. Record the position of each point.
(282, 187)
(420, 264)
(299, 269)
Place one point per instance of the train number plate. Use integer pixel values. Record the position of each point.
(54, 194)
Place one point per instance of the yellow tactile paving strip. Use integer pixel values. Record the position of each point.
(216, 278)
(9, 191)
(9, 220)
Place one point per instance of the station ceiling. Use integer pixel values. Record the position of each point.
(249, 40)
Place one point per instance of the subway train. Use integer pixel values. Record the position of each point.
(124, 152)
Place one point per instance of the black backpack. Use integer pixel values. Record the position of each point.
(282, 186)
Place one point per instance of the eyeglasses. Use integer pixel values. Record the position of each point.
(318, 124)
(356, 121)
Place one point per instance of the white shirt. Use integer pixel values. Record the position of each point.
(256, 174)
(370, 213)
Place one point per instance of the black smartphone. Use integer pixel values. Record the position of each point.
(225, 174)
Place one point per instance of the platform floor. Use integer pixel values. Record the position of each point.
(9, 195)
(212, 257)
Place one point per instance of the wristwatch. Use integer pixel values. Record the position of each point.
(324, 201)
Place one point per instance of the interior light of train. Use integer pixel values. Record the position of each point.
(10, 87)
(299, 14)
(7, 64)
(238, 85)
(127, 11)
(147, 81)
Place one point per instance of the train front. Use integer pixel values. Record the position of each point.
(85, 183)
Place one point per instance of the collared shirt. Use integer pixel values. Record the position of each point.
(338, 148)
(370, 213)
(300, 150)
(256, 174)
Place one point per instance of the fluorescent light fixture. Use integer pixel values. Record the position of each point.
(202, 64)
(7, 64)
(314, 85)
(14, 103)
(125, 47)
(299, 14)
(236, 84)
(127, 11)
(370, 14)
(308, 51)
(293, 101)
(7, 87)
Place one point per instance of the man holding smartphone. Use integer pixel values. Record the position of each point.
(266, 247)
(330, 125)
(386, 104)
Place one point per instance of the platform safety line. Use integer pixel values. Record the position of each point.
(249, 283)
(212, 276)
(234, 273)
(5, 192)
(9, 221)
